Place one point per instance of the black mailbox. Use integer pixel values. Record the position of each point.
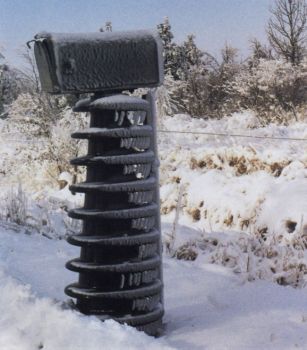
(119, 267)
(77, 63)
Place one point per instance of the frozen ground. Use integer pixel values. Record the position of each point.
(207, 306)
(235, 208)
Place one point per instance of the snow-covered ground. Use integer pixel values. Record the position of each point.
(234, 208)
(207, 306)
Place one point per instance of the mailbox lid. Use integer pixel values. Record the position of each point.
(89, 62)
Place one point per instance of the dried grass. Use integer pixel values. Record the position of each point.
(242, 165)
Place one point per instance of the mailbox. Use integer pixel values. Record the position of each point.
(79, 63)
(119, 267)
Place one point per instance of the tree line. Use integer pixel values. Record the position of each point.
(272, 81)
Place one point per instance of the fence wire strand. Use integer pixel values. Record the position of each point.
(164, 131)
(233, 135)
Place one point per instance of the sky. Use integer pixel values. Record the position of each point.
(214, 22)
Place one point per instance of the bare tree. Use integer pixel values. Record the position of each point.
(260, 51)
(47, 109)
(28, 73)
(286, 29)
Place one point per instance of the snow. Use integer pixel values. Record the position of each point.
(207, 306)
(32, 315)
(285, 201)
(32, 323)
(220, 313)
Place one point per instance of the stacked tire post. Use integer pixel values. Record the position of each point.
(120, 263)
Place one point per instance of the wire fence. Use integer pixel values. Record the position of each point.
(191, 132)
(233, 135)
(26, 141)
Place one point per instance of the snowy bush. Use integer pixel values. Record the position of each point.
(274, 89)
(61, 148)
(17, 206)
(44, 213)
(36, 159)
(168, 100)
(253, 257)
(33, 114)
(200, 85)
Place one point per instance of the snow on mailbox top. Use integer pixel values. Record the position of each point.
(89, 62)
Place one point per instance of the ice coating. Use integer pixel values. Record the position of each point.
(105, 36)
(89, 62)
(120, 102)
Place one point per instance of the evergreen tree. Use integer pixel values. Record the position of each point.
(193, 55)
(165, 33)
(172, 53)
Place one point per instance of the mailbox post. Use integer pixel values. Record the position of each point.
(119, 267)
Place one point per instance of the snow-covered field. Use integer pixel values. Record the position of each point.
(233, 208)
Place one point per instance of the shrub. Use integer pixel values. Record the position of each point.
(17, 206)
(274, 89)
